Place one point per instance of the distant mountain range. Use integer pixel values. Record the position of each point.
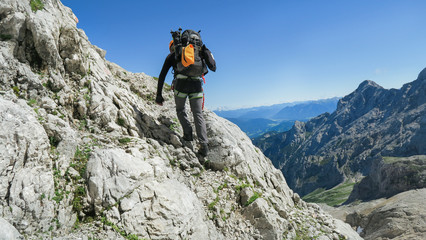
(278, 111)
(255, 127)
(307, 110)
(276, 118)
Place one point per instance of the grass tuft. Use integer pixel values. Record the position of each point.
(253, 198)
(36, 5)
(124, 140)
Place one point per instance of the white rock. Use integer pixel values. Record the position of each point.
(25, 167)
(7, 231)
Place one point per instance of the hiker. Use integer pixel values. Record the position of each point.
(189, 58)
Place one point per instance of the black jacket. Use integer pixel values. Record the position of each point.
(187, 86)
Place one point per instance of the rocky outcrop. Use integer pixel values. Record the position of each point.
(369, 123)
(86, 153)
(399, 217)
(7, 231)
(25, 167)
(147, 201)
(390, 176)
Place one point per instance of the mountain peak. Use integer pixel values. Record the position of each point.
(362, 97)
(366, 84)
(422, 75)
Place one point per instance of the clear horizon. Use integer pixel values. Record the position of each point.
(271, 52)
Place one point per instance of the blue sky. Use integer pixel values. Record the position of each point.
(268, 52)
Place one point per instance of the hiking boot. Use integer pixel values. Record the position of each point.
(187, 137)
(204, 150)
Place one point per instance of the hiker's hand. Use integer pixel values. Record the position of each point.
(159, 100)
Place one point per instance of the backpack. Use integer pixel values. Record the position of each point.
(187, 47)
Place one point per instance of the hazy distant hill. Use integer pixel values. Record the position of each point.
(307, 110)
(295, 110)
(279, 117)
(254, 112)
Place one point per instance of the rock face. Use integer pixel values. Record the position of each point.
(369, 123)
(150, 204)
(390, 176)
(7, 231)
(86, 153)
(25, 167)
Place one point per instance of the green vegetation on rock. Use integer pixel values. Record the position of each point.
(36, 5)
(390, 160)
(331, 197)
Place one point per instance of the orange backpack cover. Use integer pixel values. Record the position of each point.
(188, 56)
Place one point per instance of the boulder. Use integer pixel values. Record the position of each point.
(7, 231)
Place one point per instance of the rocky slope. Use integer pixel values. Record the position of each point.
(369, 123)
(85, 152)
(401, 216)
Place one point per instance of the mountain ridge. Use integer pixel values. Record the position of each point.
(369, 122)
(307, 110)
(269, 112)
(374, 143)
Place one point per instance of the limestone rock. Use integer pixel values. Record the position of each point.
(26, 176)
(7, 231)
(398, 217)
(63, 137)
(152, 206)
(269, 223)
(224, 152)
(390, 176)
(12, 27)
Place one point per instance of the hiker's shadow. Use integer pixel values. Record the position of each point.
(149, 128)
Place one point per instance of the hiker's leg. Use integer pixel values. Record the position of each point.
(200, 123)
(181, 114)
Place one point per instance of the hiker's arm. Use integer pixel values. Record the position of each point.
(208, 57)
(166, 66)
